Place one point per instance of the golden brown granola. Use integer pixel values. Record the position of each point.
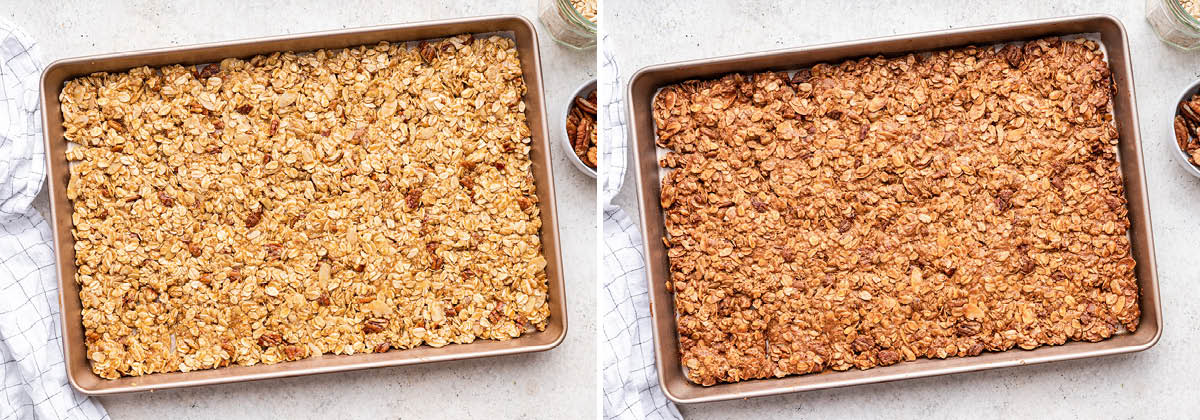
(290, 205)
(880, 210)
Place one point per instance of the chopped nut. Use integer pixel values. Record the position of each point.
(274, 251)
(165, 199)
(270, 339)
(208, 71)
(293, 352)
(252, 219)
(375, 325)
(413, 198)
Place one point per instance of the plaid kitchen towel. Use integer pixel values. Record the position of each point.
(629, 376)
(31, 356)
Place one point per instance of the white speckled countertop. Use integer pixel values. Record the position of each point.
(1158, 383)
(560, 383)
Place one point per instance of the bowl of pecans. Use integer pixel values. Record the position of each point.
(1187, 129)
(579, 128)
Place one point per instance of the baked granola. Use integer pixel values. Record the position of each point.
(879, 210)
(289, 205)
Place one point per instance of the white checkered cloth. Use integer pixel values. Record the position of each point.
(631, 390)
(31, 357)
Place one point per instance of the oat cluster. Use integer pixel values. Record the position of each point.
(277, 208)
(881, 210)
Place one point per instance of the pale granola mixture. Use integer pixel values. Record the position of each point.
(290, 205)
(881, 210)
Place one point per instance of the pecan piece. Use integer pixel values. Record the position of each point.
(413, 198)
(375, 325)
(863, 343)
(270, 339)
(253, 218)
(427, 51)
(208, 71)
(1013, 55)
(968, 328)
(293, 352)
(888, 357)
(1182, 135)
(788, 255)
(274, 251)
(586, 105)
(166, 199)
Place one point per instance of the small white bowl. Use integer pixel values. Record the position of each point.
(583, 90)
(1180, 155)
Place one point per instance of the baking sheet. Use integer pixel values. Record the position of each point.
(78, 367)
(646, 83)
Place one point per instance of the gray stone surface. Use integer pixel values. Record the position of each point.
(1159, 383)
(560, 383)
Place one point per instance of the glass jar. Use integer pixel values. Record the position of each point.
(566, 25)
(1172, 24)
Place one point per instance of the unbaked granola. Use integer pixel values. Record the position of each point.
(884, 209)
(289, 205)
